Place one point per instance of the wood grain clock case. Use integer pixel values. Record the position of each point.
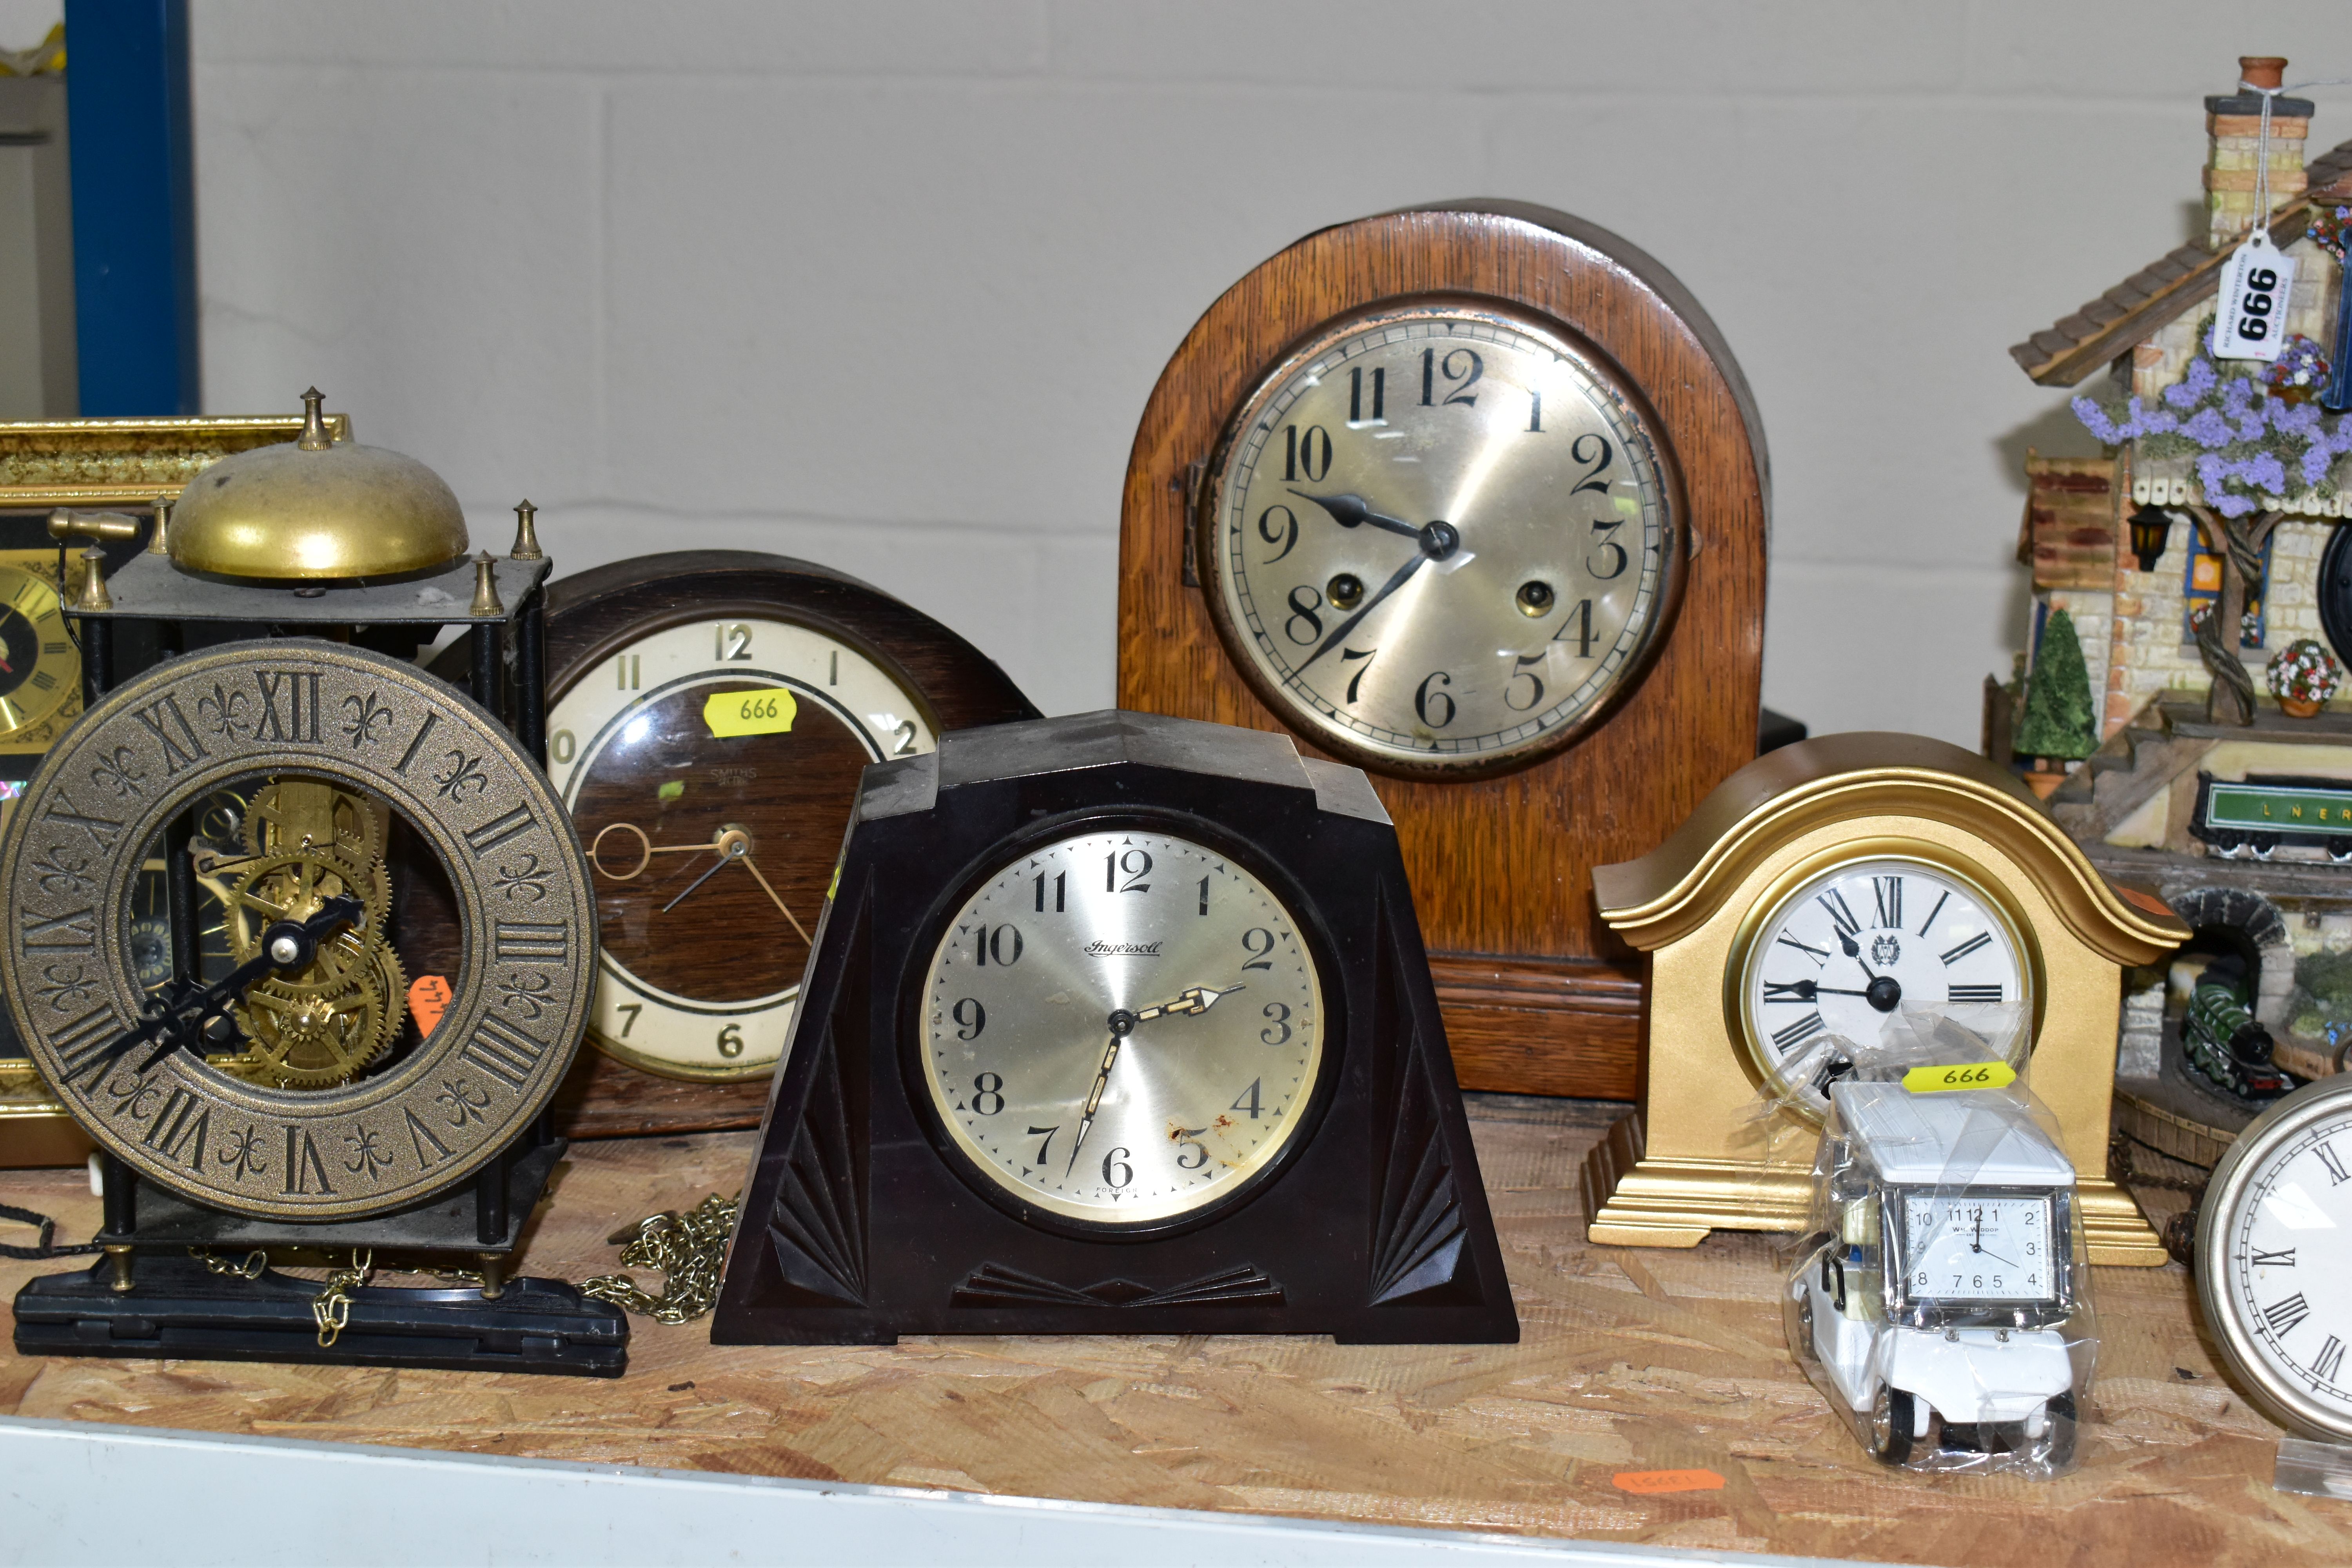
(1404, 318)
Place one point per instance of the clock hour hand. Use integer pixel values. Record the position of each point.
(1353, 511)
(1194, 999)
(287, 946)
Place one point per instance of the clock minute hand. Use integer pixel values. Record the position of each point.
(1339, 634)
(1352, 511)
(286, 946)
(1094, 1098)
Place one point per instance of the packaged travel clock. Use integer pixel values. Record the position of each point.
(1941, 1299)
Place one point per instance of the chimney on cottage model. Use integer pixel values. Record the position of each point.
(2234, 123)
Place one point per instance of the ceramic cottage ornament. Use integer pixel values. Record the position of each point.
(2302, 677)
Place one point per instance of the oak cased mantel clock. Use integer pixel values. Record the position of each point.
(1116, 1024)
(1816, 892)
(1472, 495)
(709, 714)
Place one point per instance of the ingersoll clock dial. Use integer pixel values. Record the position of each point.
(1442, 540)
(1846, 950)
(705, 766)
(1122, 1027)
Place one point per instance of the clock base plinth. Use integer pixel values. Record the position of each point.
(177, 1309)
(1634, 1201)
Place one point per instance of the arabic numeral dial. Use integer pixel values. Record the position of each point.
(1121, 1026)
(1441, 538)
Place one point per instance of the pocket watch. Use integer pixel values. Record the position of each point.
(2273, 1275)
(710, 716)
(1815, 892)
(1472, 495)
(1100, 1007)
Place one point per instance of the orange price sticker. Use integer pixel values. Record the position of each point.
(428, 999)
(1649, 1483)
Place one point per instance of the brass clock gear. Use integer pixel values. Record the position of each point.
(289, 813)
(319, 1040)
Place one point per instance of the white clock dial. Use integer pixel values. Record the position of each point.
(1846, 950)
(1122, 1027)
(1442, 540)
(712, 850)
(2274, 1266)
(1976, 1248)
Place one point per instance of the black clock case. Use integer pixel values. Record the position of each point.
(860, 1223)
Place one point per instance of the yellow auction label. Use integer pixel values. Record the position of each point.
(1963, 1075)
(767, 712)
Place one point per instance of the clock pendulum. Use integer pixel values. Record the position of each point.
(208, 886)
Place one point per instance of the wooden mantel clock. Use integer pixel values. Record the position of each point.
(1474, 497)
(1817, 891)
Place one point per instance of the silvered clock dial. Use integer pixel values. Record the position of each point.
(1122, 1027)
(1442, 539)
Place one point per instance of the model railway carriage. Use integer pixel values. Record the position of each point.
(2257, 816)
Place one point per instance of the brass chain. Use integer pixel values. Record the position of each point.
(686, 1248)
(251, 1268)
(333, 1307)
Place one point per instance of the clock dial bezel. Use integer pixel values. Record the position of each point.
(1740, 976)
(1205, 513)
(619, 641)
(2224, 1220)
(913, 1041)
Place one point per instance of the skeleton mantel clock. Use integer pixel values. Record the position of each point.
(225, 888)
(1817, 891)
(1473, 495)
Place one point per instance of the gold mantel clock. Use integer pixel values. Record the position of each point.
(1818, 890)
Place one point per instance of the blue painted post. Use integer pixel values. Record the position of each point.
(134, 206)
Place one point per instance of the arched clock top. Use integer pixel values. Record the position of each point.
(1684, 883)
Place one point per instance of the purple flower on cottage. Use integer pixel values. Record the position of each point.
(2317, 461)
(2206, 428)
(2194, 385)
(2265, 472)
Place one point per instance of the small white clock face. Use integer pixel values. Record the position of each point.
(1122, 1027)
(708, 768)
(2275, 1273)
(1442, 540)
(1850, 948)
(1975, 1248)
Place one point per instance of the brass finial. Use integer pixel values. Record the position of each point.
(66, 523)
(314, 424)
(92, 595)
(156, 544)
(485, 587)
(526, 544)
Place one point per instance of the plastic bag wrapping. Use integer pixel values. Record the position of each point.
(1940, 1297)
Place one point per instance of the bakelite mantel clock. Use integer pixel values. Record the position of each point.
(1816, 892)
(1473, 495)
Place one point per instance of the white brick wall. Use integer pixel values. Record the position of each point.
(886, 284)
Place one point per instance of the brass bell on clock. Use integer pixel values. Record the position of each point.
(315, 509)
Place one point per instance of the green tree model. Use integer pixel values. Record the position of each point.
(2059, 721)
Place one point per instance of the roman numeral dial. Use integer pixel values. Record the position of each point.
(40, 669)
(1839, 956)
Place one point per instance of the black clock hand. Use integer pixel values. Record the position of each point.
(286, 946)
(716, 866)
(1352, 510)
(1403, 575)
(1809, 990)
